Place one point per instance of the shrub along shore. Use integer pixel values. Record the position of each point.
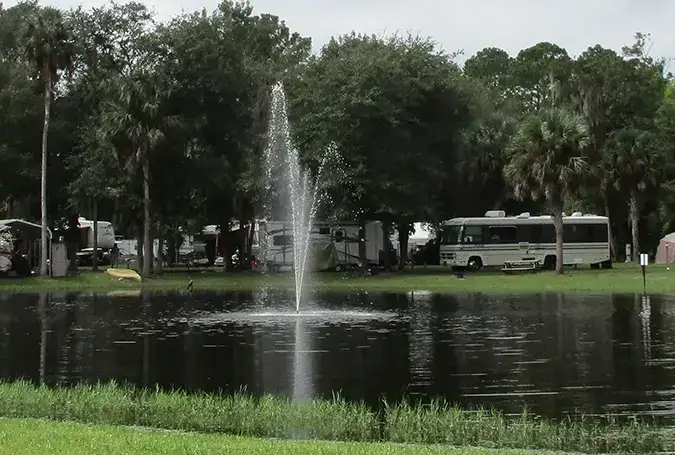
(624, 278)
(331, 420)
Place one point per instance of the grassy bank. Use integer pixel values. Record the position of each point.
(336, 420)
(32, 437)
(622, 279)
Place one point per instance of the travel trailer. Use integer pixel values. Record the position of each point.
(106, 240)
(333, 246)
(106, 234)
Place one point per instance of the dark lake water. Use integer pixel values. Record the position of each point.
(557, 354)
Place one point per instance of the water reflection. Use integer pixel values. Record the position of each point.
(554, 353)
(302, 364)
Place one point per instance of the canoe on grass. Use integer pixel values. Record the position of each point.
(123, 274)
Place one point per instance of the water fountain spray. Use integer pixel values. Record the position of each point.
(303, 196)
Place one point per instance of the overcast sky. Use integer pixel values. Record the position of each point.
(468, 25)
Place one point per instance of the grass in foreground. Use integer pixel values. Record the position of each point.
(624, 278)
(31, 436)
(336, 420)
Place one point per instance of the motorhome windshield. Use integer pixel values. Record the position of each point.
(450, 235)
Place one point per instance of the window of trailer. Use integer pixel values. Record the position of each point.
(282, 240)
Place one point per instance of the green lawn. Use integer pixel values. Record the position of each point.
(622, 279)
(31, 436)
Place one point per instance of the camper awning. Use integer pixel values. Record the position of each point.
(25, 226)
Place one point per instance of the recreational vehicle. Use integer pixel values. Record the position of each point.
(497, 240)
(106, 234)
(332, 246)
(106, 240)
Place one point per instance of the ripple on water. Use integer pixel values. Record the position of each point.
(275, 317)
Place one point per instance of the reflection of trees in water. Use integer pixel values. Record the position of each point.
(552, 344)
(44, 326)
(421, 343)
(627, 341)
(645, 319)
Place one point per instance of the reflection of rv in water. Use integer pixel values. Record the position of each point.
(106, 241)
(332, 245)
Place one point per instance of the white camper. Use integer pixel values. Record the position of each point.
(332, 245)
(106, 234)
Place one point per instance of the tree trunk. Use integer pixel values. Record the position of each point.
(147, 237)
(44, 247)
(249, 242)
(73, 236)
(116, 211)
(635, 208)
(558, 224)
(241, 239)
(363, 257)
(139, 248)
(612, 237)
(94, 262)
(386, 224)
(160, 248)
(171, 247)
(403, 234)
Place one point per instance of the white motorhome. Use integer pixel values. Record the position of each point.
(497, 239)
(332, 245)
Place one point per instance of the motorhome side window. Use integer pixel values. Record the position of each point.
(502, 234)
(324, 231)
(537, 233)
(283, 240)
(450, 235)
(473, 235)
(585, 233)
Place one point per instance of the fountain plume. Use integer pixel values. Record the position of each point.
(302, 196)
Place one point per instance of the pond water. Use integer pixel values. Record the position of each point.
(556, 353)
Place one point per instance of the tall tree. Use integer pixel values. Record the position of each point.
(493, 67)
(47, 44)
(547, 160)
(138, 120)
(539, 75)
(107, 42)
(483, 156)
(395, 122)
(640, 167)
(597, 80)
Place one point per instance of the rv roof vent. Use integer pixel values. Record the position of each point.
(564, 214)
(577, 214)
(524, 215)
(495, 214)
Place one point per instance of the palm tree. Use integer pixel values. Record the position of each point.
(46, 44)
(484, 155)
(138, 117)
(547, 159)
(640, 164)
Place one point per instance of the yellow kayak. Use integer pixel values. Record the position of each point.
(123, 274)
